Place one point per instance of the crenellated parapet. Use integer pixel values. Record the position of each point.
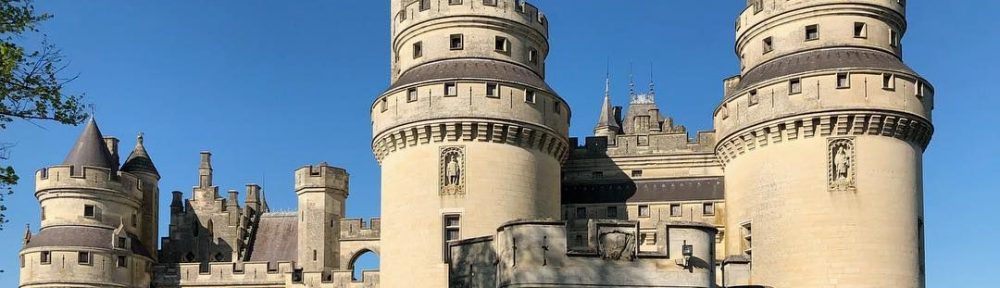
(472, 130)
(359, 229)
(64, 177)
(322, 176)
(256, 274)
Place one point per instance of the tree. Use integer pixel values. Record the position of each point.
(30, 85)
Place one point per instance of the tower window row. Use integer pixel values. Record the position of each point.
(456, 42)
(519, 6)
(812, 32)
(82, 258)
(450, 89)
(611, 212)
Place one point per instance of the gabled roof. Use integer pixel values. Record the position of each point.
(139, 160)
(90, 149)
(276, 238)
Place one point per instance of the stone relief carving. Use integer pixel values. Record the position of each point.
(841, 164)
(617, 245)
(452, 170)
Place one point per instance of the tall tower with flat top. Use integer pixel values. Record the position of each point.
(469, 135)
(822, 138)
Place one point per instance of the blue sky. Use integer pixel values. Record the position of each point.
(269, 86)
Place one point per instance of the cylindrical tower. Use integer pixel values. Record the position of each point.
(822, 137)
(469, 135)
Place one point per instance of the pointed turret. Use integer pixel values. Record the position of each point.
(607, 123)
(139, 160)
(90, 150)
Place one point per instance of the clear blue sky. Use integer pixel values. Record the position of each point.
(269, 86)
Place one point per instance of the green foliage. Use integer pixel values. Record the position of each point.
(30, 87)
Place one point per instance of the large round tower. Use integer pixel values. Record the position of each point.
(469, 135)
(822, 137)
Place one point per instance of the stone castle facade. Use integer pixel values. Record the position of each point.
(811, 178)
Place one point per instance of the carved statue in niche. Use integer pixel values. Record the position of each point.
(841, 164)
(452, 170)
(617, 246)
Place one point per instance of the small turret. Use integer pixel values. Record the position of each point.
(177, 202)
(253, 198)
(139, 161)
(607, 123)
(322, 191)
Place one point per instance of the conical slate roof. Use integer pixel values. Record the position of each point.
(139, 161)
(90, 149)
(607, 119)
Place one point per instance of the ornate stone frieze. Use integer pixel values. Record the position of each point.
(472, 130)
(617, 245)
(906, 127)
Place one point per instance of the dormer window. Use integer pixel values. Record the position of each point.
(120, 242)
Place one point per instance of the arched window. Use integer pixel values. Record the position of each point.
(364, 260)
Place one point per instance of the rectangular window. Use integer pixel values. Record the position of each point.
(768, 45)
(425, 4)
(597, 175)
(456, 42)
(860, 30)
(492, 90)
(675, 210)
(752, 97)
(644, 211)
(812, 32)
(581, 212)
(636, 173)
(745, 231)
(708, 209)
(502, 45)
(533, 56)
(452, 227)
(384, 105)
(411, 95)
(612, 212)
(920, 89)
(529, 96)
(418, 50)
(120, 243)
(450, 89)
(795, 86)
(557, 107)
(490, 2)
(454, 2)
(843, 81)
(83, 258)
(22, 261)
(89, 211)
(46, 257)
(122, 261)
(758, 5)
(43, 212)
(888, 81)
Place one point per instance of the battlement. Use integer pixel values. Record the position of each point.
(413, 12)
(652, 144)
(321, 176)
(358, 229)
(64, 177)
(281, 274)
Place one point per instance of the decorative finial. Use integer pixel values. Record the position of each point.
(652, 84)
(139, 138)
(631, 81)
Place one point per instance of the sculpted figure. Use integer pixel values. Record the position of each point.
(453, 171)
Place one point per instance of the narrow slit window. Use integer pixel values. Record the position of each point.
(795, 86)
(812, 32)
(456, 42)
(384, 106)
(860, 30)
(450, 89)
(768, 45)
(843, 80)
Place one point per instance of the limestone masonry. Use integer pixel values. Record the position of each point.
(811, 178)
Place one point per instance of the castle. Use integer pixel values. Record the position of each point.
(812, 176)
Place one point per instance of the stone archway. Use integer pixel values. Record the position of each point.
(351, 251)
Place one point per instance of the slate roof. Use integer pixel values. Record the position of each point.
(139, 160)
(471, 69)
(90, 149)
(276, 239)
(822, 60)
(81, 236)
(626, 191)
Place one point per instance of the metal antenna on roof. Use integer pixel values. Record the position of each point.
(652, 85)
(631, 81)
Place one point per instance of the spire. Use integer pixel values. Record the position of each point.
(631, 82)
(138, 160)
(652, 85)
(607, 119)
(90, 149)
